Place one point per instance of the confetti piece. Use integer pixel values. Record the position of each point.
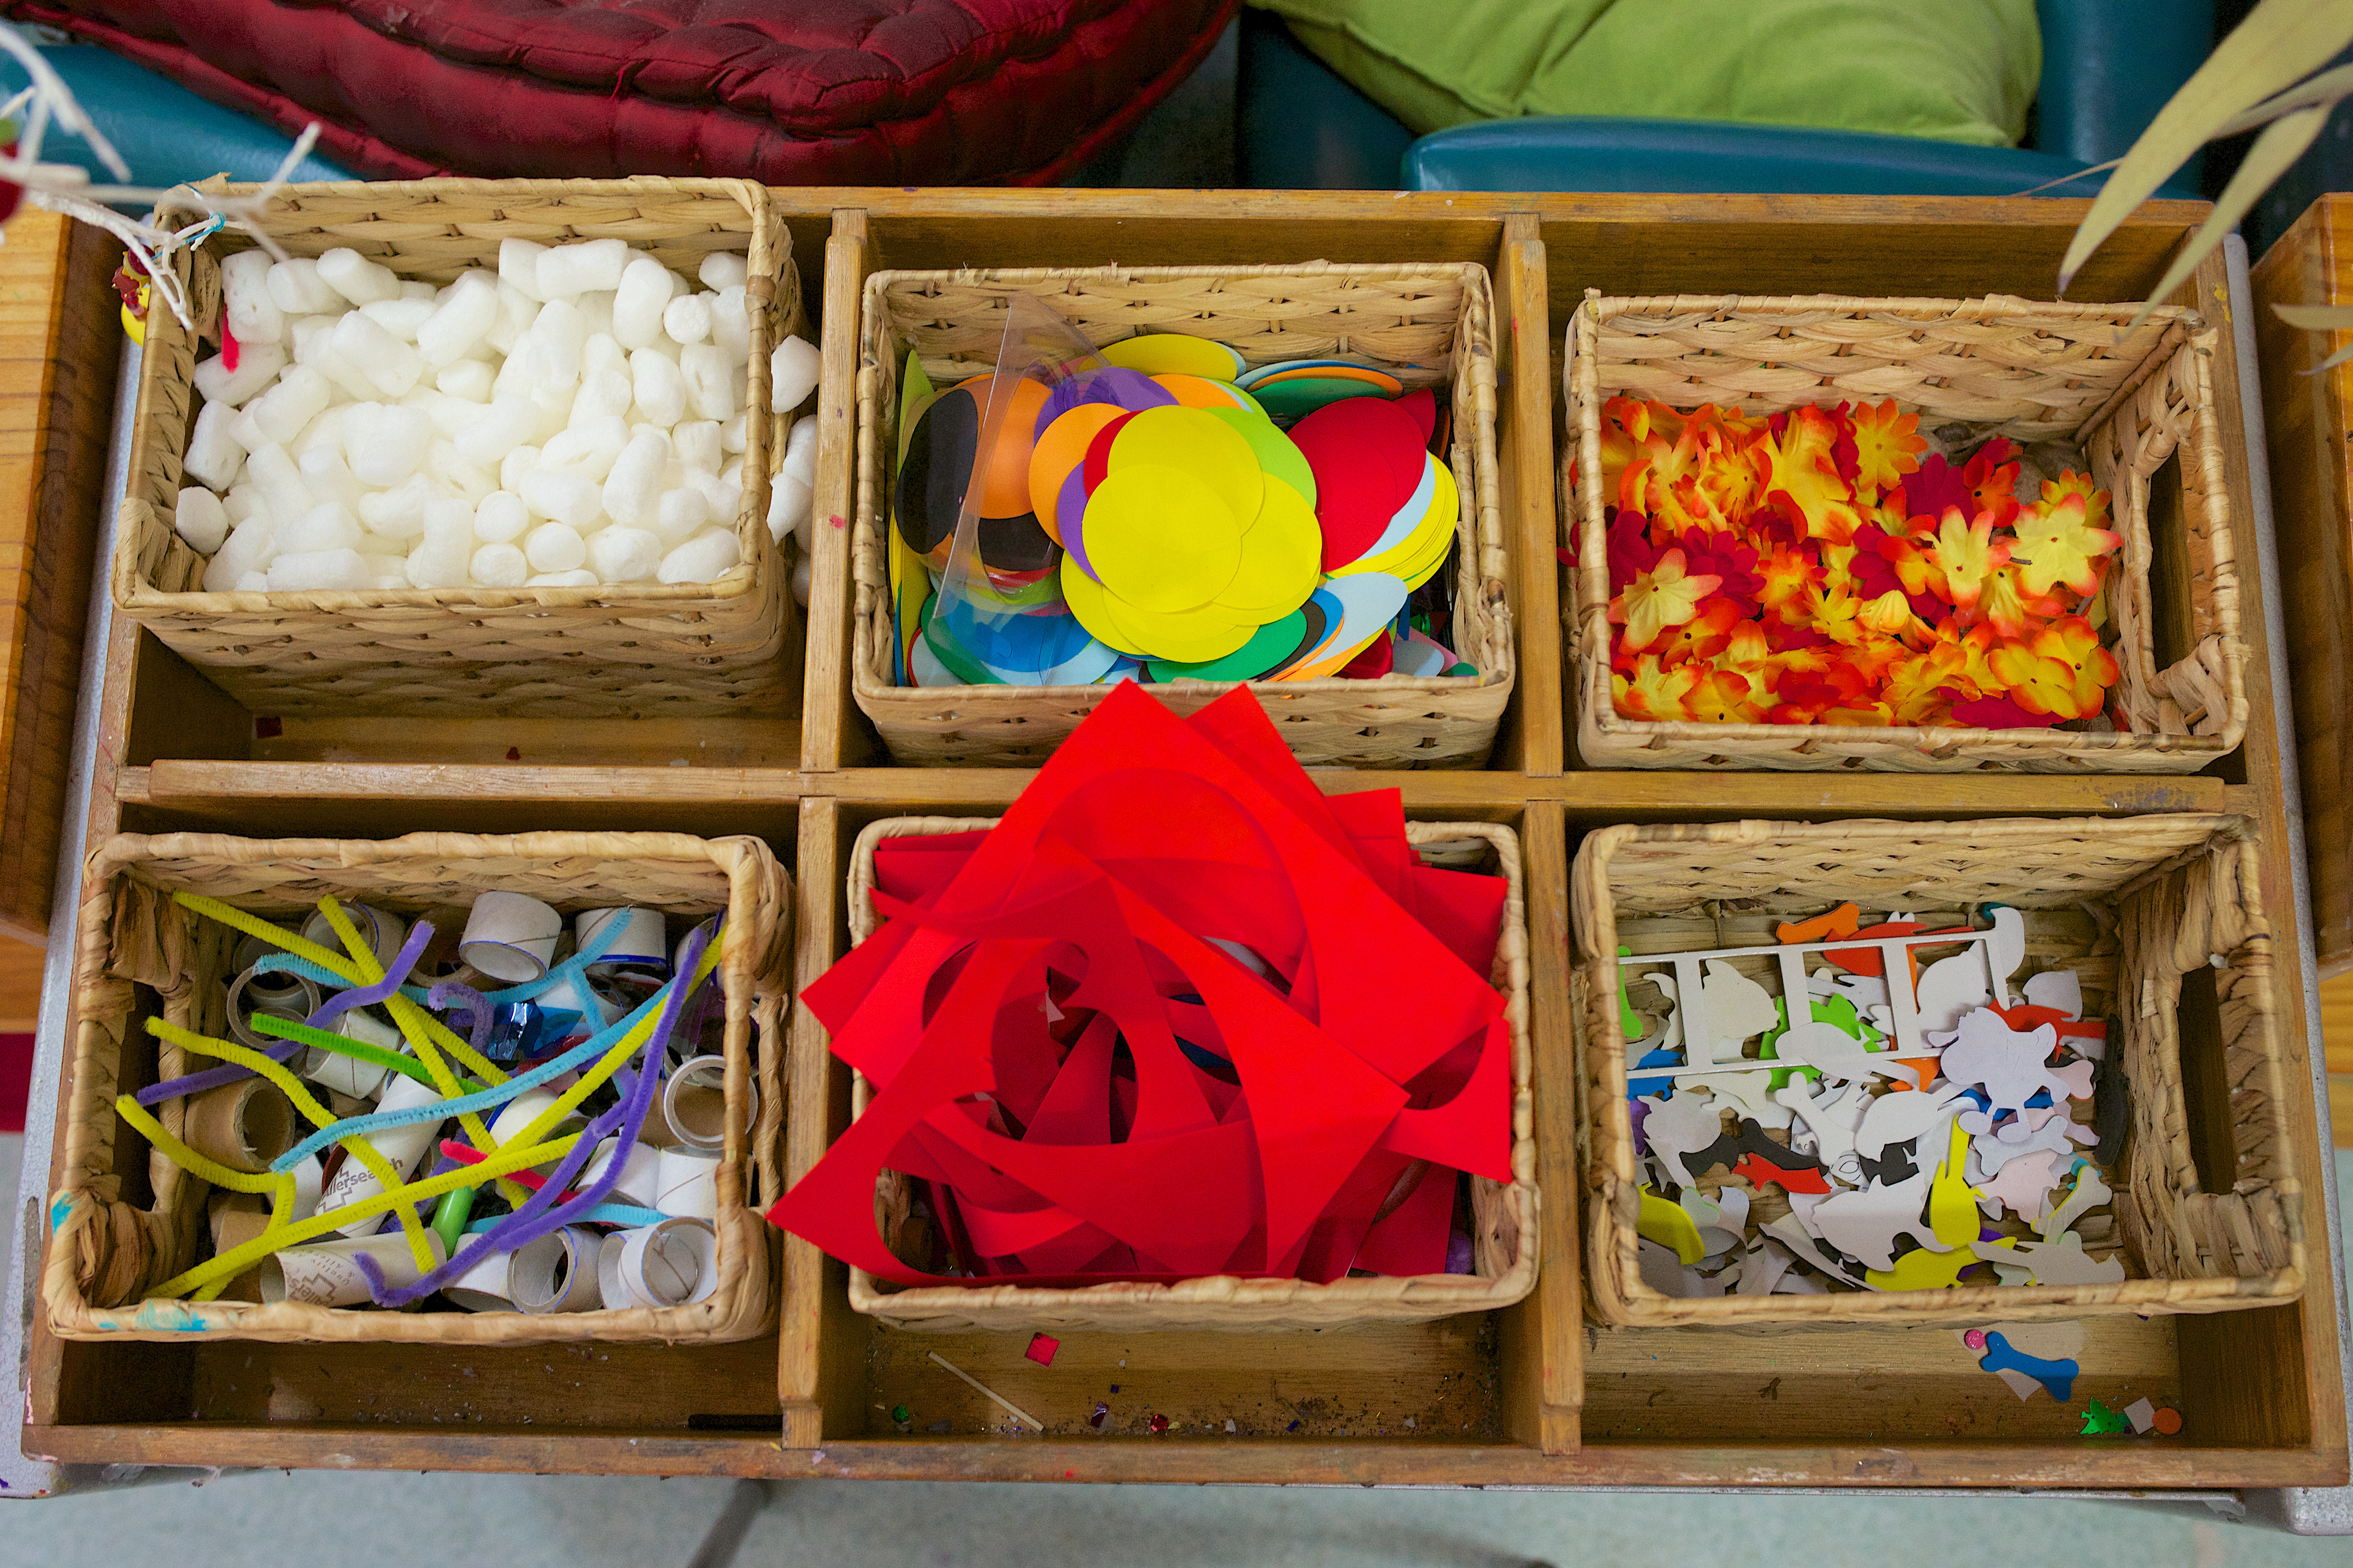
(1042, 1348)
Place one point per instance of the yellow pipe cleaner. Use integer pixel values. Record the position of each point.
(236, 1260)
(280, 1186)
(371, 1159)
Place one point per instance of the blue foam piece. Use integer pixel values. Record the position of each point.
(2058, 1376)
(1664, 1088)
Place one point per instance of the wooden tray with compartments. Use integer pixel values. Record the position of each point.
(1530, 1396)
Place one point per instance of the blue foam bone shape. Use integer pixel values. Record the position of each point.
(2058, 1376)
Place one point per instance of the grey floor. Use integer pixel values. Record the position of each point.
(331, 1520)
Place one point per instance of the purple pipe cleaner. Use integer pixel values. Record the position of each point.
(382, 990)
(464, 1002)
(212, 1078)
(538, 1217)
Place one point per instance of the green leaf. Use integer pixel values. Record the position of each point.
(2329, 88)
(2279, 44)
(2282, 143)
(2317, 317)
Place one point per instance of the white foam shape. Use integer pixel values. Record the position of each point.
(702, 559)
(212, 459)
(2060, 1262)
(2009, 1065)
(461, 322)
(258, 365)
(2061, 990)
(391, 365)
(1838, 1056)
(793, 368)
(1903, 1118)
(687, 319)
(723, 269)
(1682, 1127)
(298, 571)
(566, 270)
(715, 381)
(2091, 1190)
(298, 290)
(1735, 1008)
(253, 316)
(402, 318)
(638, 301)
(1864, 1223)
(198, 517)
(660, 388)
(619, 555)
(357, 278)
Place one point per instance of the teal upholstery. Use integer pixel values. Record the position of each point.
(167, 134)
(2107, 66)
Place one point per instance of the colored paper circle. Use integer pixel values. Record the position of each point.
(1161, 539)
(1190, 638)
(1071, 507)
(1266, 649)
(1013, 543)
(1192, 441)
(1278, 456)
(1121, 388)
(1251, 377)
(1097, 462)
(1007, 491)
(1200, 392)
(1281, 553)
(929, 492)
(1174, 353)
(1061, 449)
(1089, 604)
(1365, 374)
(1291, 399)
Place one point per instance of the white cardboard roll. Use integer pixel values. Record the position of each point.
(686, 1183)
(677, 953)
(641, 1180)
(325, 1274)
(694, 1102)
(557, 1273)
(666, 1265)
(483, 1288)
(511, 936)
(522, 1110)
(639, 945)
(349, 1074)
(403, 1148)
(383, 930)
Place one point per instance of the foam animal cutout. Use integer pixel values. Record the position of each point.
(2010, 1067)
(1751, 1095)
(1924, 1270)
(2061, 990)
(1669, 1224)
(1735, 1009)
(1747, 1138)
(1829, 1123)
(1864, 1225)
(1901, 1118)
(1763, 1269)
(1680, 1127)
(2021, 1184)
(1760, 1173)
(2055, 1133)
(1838, 1056)
(2091, 1190)
(1792, 1233)
(1670, 1036)
(1950, 988)
(2060, 1262)
(2058, 1377)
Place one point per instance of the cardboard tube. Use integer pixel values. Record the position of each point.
(694, 1103)
(349, 1076)
(403, 1148)
(325, 1274)
(383, 930)
(234, 1224)
(639, 951)
(523, 1110)
(290, 997)
(511, 936)
(559, 1272)
(686, 1182)
(243, 1125)
(483, 1288)
(666, 1265)
(639, 1181)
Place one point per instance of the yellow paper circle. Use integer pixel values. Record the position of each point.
(1278, 456)
(1062, 446)
(1192, 441)
(1175, 354)
(1160, 539)
(1088, 603)
(1282, 551)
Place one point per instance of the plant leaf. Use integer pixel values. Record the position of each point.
(2280, 43)
(2317, 317)
(2282, 143)
(2329, 87)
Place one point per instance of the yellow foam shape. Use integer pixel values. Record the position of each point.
(1952, 1202)
(1161, 539)
(1192, 441)
(1668, 1225)
(1175, 354)
(1927, 1270)
(1282, 551)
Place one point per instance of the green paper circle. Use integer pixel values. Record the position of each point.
(1267, 647)
(1292, 399)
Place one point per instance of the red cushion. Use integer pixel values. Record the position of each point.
(788, 92)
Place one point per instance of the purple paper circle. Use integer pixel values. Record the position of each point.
(1069, 515)
(1117, 385)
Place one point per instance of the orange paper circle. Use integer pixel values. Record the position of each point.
(1061, 449)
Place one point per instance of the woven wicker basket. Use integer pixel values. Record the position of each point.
(1424, 324)
(669, 650)
(2132, 904)
(141, 952)
(2032, 371)
(1502, 1216)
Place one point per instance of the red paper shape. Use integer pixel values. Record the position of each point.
(1042, 1348)
(1760, 1173)
(1153, 1025)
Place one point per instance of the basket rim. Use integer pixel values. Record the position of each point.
(1611, 737)
(1476, 1294)
(737, 1308)
(868, 653)
(1629, 1300)
(133, 591)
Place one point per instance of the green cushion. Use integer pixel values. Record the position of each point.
(1954, 71)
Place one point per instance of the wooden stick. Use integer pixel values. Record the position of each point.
(1018, 1414)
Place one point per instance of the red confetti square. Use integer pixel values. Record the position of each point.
(1042, 1348)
